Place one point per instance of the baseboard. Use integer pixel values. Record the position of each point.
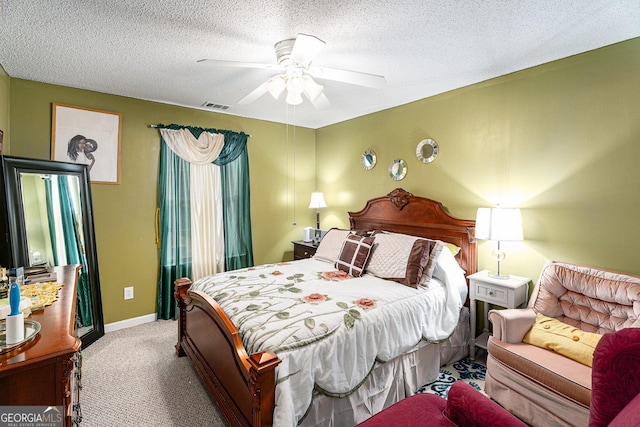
(127, 323)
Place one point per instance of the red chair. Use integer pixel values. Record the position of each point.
(615, 395)
(615, 379)
(465, 406)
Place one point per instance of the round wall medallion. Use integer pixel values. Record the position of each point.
(427, 150)
(397, 169)
(368, 159)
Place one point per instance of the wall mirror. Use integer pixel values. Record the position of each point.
(427, 150)
(397, 169)
(368, 159)
(48, 220)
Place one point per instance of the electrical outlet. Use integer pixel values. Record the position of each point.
(128, 292)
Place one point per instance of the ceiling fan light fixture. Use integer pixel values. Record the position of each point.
(295, 84)
(293, 98)
(275, 86)
(283, 51)
(294, 58)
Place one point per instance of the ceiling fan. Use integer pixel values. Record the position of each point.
(294, 57)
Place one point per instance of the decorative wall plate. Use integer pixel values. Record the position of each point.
(368, 159)
(397, 169)
(427, 150)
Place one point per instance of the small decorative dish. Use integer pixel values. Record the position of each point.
(31, 329)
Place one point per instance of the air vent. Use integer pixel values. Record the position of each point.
(215, 106)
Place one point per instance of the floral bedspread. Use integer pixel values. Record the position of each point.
(328, 329)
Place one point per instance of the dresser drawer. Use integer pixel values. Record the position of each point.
(491, 293)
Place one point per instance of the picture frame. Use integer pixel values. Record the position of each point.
(89, 136)
(1, 142)
(318, 235)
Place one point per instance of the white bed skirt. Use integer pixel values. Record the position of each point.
(390, 382)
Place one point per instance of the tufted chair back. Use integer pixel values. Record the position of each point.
(593, 300)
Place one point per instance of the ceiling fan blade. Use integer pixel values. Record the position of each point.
(353, 77)
(305, 49)
(321, 102)
(239, 64)
(254, 94)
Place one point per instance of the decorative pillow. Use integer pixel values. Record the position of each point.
(468, 407)
(564, 339)
(403, 258)
(355, 254)
(436, 247)
(331, 245)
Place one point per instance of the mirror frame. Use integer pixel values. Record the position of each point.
(401, 173)
(434, 153)
(18, 254)
(365, 163)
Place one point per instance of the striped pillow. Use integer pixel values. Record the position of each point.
(354, 254)
(331, 244)
(403, 258)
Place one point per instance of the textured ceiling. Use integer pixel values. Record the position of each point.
(148, 49)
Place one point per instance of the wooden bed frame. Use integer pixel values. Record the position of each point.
(242, 385)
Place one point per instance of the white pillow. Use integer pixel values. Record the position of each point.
(449, 272)
(331, 245)
(403, 258)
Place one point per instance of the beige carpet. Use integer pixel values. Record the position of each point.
(132, 377)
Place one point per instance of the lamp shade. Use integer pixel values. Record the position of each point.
(317, 200)
(499, 224)
(293, 98)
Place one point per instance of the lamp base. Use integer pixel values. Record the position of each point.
(497, 275)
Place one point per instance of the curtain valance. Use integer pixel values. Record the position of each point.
(234, 142)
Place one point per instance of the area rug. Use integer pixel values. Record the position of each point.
(470, 371)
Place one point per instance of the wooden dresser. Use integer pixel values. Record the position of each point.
(44, 372)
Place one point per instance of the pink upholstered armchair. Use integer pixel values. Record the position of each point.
(615, 398)
(543, 387)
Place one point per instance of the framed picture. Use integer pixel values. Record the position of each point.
(92, 137)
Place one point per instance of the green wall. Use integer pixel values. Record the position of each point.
(561, 141)
(125, 213)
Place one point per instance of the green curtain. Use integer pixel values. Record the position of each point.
(74, 251)
(175, 228)
(236, 195)
(52, 225)
(175, 237)
(236, 212)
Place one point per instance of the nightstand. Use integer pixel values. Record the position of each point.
(508, 293)
(302, 249)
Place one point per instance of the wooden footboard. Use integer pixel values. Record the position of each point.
(243, 386)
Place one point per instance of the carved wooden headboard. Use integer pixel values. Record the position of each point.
(402, 212)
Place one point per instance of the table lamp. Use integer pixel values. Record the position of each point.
(499, 224)
(317, 202)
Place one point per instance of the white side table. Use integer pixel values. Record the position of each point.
(508, 293)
